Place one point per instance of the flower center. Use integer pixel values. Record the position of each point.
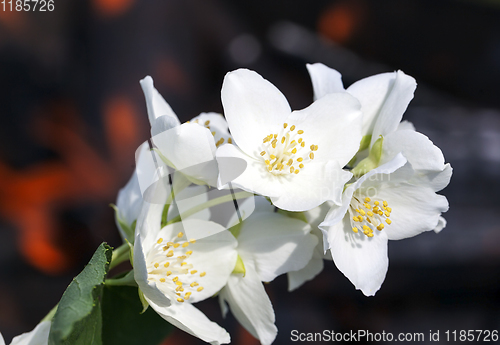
(168, 265)
(286, 152)
(370, 214)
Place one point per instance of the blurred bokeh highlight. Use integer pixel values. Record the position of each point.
(73, 114)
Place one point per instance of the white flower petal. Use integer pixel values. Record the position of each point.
(440, 225)
(415, 209)
(394, 105)
(191, 149)
(194, 195)
(163, 123)
(149, 289)
(275, 244)
(406, 125)
(371, 93)
(187, 317)
(437, 180)
(251, 206)
(416, 147)
(316, 215)
(250, 305)
(2, 342)
(155, 103)
(333, 123)
(361, 259)
(311, 270)
(312, 186)
(384, 98)
(253, 108)
(149, 224)
(129, 201)
(129, 204)
(38, 336)
(324, 79)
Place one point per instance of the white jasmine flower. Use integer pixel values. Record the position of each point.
(173, 271)
(38, 336)
(383, 97)
(269, 244)
(382, 205)
(295, 158)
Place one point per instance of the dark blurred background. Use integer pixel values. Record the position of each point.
(72, 115)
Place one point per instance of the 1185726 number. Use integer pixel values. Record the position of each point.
(472, 335)
(27, 5)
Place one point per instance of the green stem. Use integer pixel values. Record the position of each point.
(127, 280)
(210, 203)
(120, 255)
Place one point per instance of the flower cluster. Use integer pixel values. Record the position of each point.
(220, 205)
(335, 180)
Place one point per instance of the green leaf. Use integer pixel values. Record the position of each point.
(78, 316)
(123, 323)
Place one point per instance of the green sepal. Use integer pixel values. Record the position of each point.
(144, 303)
(363, 145)
(239, 267)
(236, 229)
(352, 161)
(345, 186)
(365, 142)
(127, 229)
(296, 215)
(131, 253)
(372, 161)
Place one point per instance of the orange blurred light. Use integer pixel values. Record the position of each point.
(32, 199)
(123, 128)
(170, 72)
(14, 21)
(112, 8)
(340, 21)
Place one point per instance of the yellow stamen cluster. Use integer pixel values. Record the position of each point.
(282, 150)
(370, 214)
(183, 281)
